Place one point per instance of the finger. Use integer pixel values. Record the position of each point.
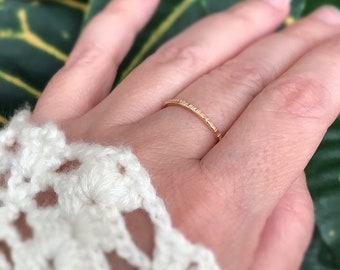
(273, 140)
(288, 231)
(233, 85)
(89, 72)
(186, 57)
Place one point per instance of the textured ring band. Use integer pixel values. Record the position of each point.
(192, 108)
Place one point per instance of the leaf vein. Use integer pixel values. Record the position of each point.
(31, 38)
(157, 34)
(3, 120)
(73, 4)
(20, 83)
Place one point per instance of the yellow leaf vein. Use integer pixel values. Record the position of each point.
(289, 20)
(157, 34)
(3, 120)
(73, 4)
(20, 83)
(31, 38)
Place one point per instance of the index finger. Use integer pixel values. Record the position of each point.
(88, 74)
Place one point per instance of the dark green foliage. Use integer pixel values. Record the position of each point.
(36, 37)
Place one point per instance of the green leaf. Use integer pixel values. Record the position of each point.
(170, 19)
(173, 17)
(30, 55)
(94, 6)
(34, 44)
(36, 37)
(323, 173)
(318, 257)
(313, 4)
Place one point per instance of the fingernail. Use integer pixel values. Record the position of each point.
(278, 3)
(327, 14)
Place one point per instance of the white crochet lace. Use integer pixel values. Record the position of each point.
(57, 218)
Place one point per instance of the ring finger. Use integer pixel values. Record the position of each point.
(226, 91)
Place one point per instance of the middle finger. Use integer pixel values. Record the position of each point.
(201, 47)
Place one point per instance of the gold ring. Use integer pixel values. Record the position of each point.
(192, 108)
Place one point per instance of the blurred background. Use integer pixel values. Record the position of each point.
(36, 37)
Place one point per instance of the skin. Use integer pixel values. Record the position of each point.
(245, 197)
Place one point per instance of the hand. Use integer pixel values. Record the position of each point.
(273, 95)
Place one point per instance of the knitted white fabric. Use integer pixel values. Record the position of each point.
(62, 205)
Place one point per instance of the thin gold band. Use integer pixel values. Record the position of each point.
(192, 108)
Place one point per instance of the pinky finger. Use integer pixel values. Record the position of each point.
(288, 231)
(89, 72)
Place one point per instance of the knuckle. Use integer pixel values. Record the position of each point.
(300, 210)
(89, 54)
(304, 32)
(116, 8)
(333, 45)
(183, 56)
(242, 13)
(121, 13)
(301, 97)
(241, 74)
